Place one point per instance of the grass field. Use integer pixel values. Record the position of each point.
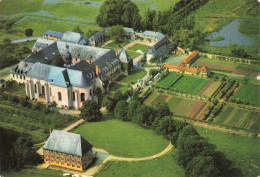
(122, 138)
(141, 47)
(249, 93)
(133, 77)
(133, 54)
(169, 80)
(34, 172)
(164, 166)
(189, 84)
(116, 86)
(242, 151)
(239, 118)
(114, 45)
(250, 29)
(255, 68)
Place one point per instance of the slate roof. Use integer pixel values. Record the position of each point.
(45, 55)
(152, 34)
(54, 33)
(79, 78)
(22, 68)
(93, 38)
(69, 143)
(123, 56)
(129, 31)
(73, 37)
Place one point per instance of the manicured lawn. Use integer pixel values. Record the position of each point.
(249, 93)
(201, 59)
(141, 47)
(121, 87)
(189, 84)
(123, 139)
(114, 45)
(241, 150)
(34, 172)
(133, 77)
(169, 80)
(239, 118)
(133, 54)
(164, 166)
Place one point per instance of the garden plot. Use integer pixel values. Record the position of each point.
(249, 93)
(239, 118)
(210, 88)
(169, 80)
(191, 85)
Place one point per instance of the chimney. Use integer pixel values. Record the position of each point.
(97, 72)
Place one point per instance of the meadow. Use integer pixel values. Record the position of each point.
(34, 172)
(239, 118)
(241, 150)
(133, 77)
(123, 139)
(249, 93)
(163, 166)
(169, 80)
(189, 84)
(136, 47)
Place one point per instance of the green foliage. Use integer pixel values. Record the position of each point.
(121, 110)
(28, 32)
(116, 33)
(240, 52)
(148, 19)
(109, 103)
(90, 33)
(144, 116)
(118, 12)
(78, 30)
(118, 96)
(90, 111)
(165, 126)
(58, 61)
(131, 109)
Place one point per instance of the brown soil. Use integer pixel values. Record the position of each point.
(196, 109)
(160, 99)
(200, 115)
(168, 98)
(245, 72)
(214, 66)
(150, 98)
(219, 93)
(205, 87)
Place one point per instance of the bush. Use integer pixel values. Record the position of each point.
(120, 111)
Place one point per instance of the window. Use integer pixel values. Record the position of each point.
(73, 165)
(23, 77)
(82, 97)
(20, 77)
(78, 166)
(35, 88)
(43, 90)
(73, 96)
(59, 96)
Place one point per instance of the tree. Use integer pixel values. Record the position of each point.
(246, 79)
(118, 96)
(144, 116)
(131, 109)
(90, 111)
(116, 33)
(58, 61)
(90, 33)
(119, 12)
(121, 110)
(161, 110)
(148, 20)
(109, 103)
(78, 30)
(165, 126)
(28, 32)
(240, 52)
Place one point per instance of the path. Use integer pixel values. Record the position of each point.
(25, 39)
(69, 111)
(145, 78)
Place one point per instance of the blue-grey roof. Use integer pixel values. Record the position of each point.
(22, 68)
(69, 143)
(53, 74)
(54, 33)
(129, 31)
(152, 34)
(45, 55)
(79, 78)
(123, 56)
(73, 37)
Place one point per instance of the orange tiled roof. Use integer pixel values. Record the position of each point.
(204, 69)
(181, 68)
(190, 57)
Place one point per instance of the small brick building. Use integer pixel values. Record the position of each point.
(68, 150)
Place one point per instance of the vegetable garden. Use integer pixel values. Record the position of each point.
(169, 80)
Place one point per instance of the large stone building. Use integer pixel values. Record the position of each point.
(68, 150)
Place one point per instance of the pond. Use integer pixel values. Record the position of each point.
(232, 35)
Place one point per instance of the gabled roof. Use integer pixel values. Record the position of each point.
(123, 56)
(190, 57)
(54, 33)
(129, 30)
(73, 37)
(80, 78)
(69, 143)
(204, 69)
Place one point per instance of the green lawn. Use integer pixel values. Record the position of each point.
(34, 172)
(118, 44)
(133, 77)
(164, 166)
(249, 93)
(169, 80)
(219, 62)
(133, 54)
(121, 87)
(242, 151)
(141, 47)
(123, 139)
(189, 84)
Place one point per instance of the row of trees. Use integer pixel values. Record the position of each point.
(196, 154)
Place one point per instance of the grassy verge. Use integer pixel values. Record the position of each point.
(122, 138)
(242, 151)
(164, 166)
(249, 93)
(219, 62)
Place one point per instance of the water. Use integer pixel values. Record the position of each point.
(232, 35)
(92, 3)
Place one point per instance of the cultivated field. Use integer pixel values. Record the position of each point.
(210, 88)
(249, 93)
(189, 84)
(116, 137)
(216, 66)
(169, 80)
(239, 118)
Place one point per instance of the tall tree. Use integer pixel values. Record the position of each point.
(116, 33)
(148, 19)
(121, 110)
(90, 111)
(78, 30)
